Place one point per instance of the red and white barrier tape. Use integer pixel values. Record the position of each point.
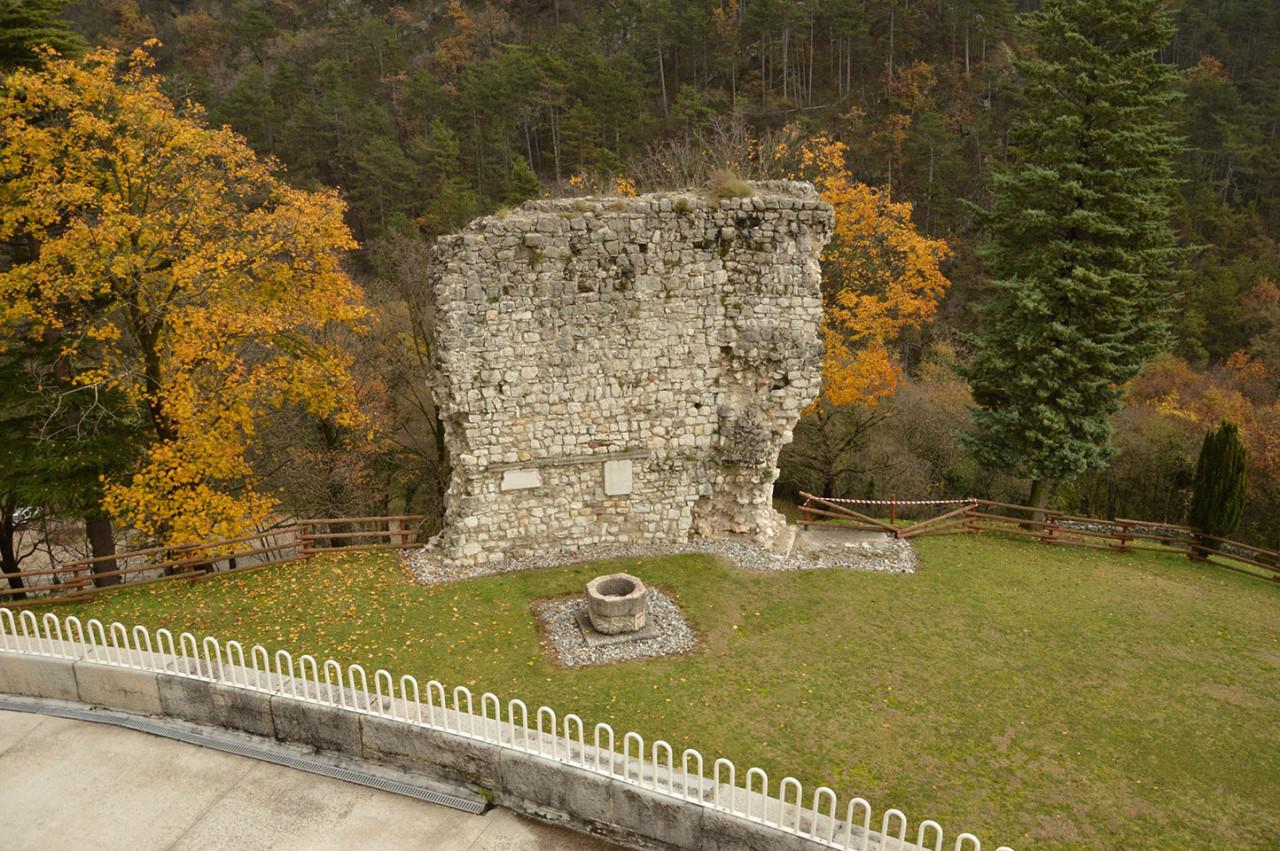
(897, 501)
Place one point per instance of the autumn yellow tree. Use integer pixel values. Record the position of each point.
(881, 277)
(169, 265)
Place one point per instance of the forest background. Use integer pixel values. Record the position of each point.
(424, 115)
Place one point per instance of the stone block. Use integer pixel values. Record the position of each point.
(514, 480)
(617, 477)
(656, 816)
(324, 728)
(203, 702)
(439, 754)
(38, 676)
(723, 832)
(125, 689)
(552, 790)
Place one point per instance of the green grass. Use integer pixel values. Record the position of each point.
(1040, 697)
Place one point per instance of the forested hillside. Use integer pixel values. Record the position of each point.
(426, 114)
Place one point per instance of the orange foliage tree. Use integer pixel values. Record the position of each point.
(171, 265)
(881, 277)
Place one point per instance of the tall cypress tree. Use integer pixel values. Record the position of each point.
(1217, 501)
(1081, 251)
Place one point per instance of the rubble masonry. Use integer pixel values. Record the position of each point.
(624, 369)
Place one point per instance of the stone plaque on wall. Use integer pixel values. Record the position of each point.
(514, 480)
(617, 477)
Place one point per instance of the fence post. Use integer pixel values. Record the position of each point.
(1197, 550)
(893, 508)
(806, 516)
(304, 539)
(1124, 537)
(1050, 530)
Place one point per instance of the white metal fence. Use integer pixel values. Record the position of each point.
(560, 738)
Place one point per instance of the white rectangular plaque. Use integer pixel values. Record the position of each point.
(617, 477)
(516, 480)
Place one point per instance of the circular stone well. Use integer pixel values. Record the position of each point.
(617, 603)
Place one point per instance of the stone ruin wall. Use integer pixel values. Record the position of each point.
(624, 370)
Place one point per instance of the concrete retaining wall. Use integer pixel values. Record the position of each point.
(537, 786)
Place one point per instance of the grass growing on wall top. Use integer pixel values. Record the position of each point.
(1040, 697)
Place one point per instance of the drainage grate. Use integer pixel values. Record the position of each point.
(311, 766)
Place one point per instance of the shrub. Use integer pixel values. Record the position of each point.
(726, 184)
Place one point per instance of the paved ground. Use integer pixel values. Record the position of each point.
(76, 784)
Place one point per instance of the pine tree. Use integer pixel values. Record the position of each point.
(579, 135)
(1217, 500)
(451, 206)
(28, 24)
(57, 443)
(1081, 250)
(438, 153)
(523, 183)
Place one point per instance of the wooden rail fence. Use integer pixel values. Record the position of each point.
(1042, 525)
(79, 580)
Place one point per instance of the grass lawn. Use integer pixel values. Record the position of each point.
(1039, 697)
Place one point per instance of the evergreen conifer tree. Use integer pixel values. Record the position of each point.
(28, 24)
(438, 152)
(1081, 250)
(523, 183)
(1217, 500)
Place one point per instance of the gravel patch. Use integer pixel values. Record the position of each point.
(559, 618)
(886, 555)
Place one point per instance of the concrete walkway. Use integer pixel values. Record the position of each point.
(76, 784)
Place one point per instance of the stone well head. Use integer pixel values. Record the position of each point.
(617, 603)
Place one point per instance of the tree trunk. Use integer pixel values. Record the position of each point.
(9, 551)
(1039, 499)
(444, 472)
(786, 43)
(555, 139)
(891, 31)
(828, 485)
(764, 84)
(662, 80)
(967, 71)
(809, 84)
(102, 542)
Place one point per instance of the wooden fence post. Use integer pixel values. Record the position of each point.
(304, 538)
(893, 508)
(1197, 550)
(1124, 537)
(1050, 530)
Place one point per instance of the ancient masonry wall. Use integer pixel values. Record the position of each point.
(624, 369)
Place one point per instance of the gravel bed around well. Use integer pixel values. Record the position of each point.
(888, 556)
(567, 644)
